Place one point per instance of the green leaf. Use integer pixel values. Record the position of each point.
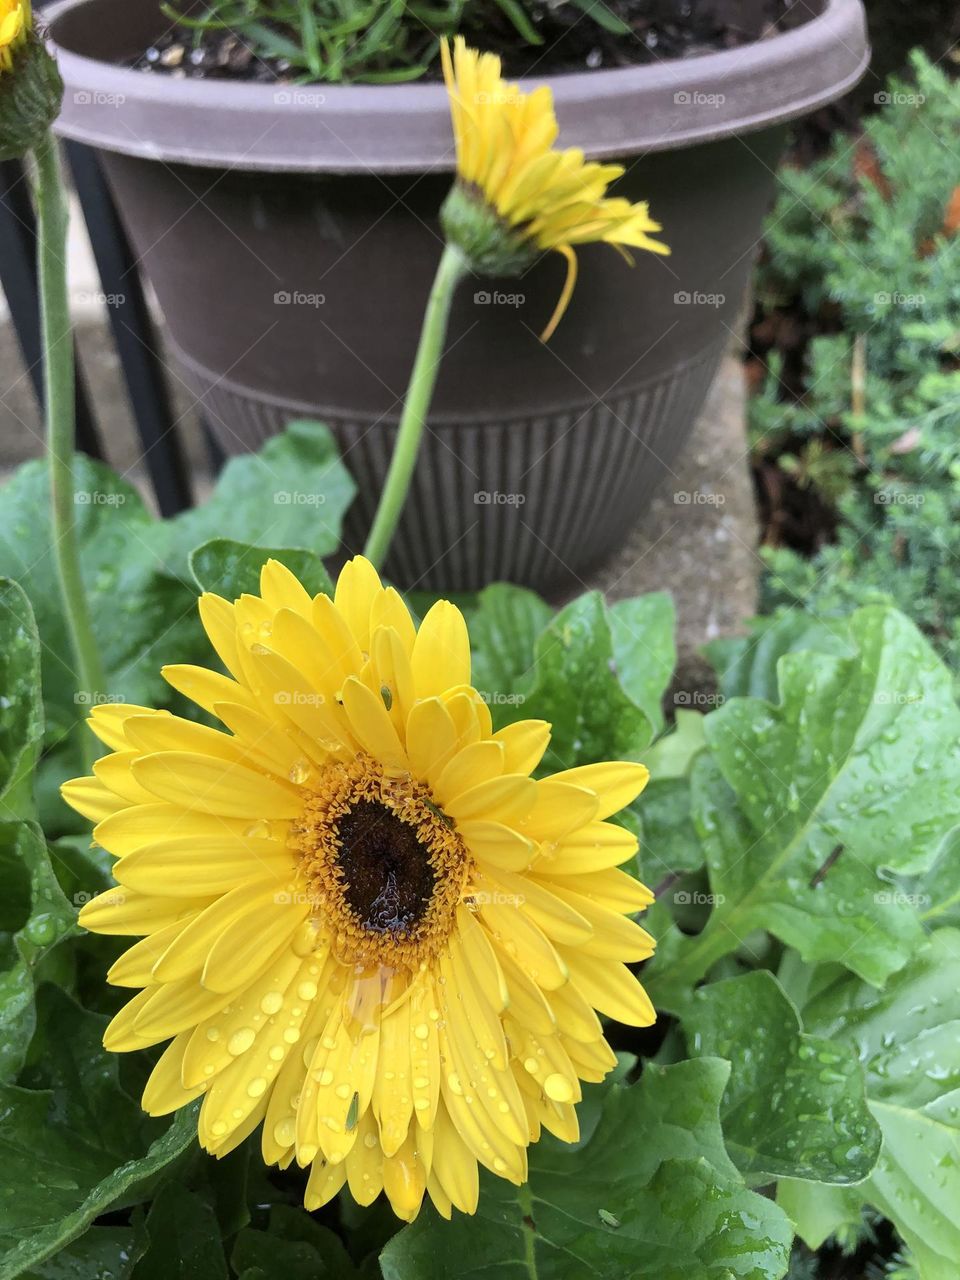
(73, 1143)
(504, 627)
(294, 1246)
(580, 686)
(231, 569)
(21, 714)
(293, 493)
(644, 650)
(656, 1167)
(746, 666)
(794, 1106)
(672, 756)
(102, 1253)
(38, 917)
(908, 1040)
(806, 807)
(184, 1239)
(141, 592)
(669, 843)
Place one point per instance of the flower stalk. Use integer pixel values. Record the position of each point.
(58, 359)
(451, 270)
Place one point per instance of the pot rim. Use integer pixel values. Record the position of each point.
(405, 128)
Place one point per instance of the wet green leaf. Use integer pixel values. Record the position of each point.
(656, 1164)
(72, 1142)
(183, 1239)
(504, 627)
(21, 714)
(40, 917)
(580, 685)
(794, 1106)
(294, 1246)
(231, 569)
(908, 1040)
(804, 805)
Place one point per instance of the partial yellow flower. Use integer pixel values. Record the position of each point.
(363, 923)
(14, 25)
(541, 199)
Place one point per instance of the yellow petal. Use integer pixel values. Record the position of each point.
(611, 988)
(441, 652)
(524, 742)
(617, 784)
(215, 786)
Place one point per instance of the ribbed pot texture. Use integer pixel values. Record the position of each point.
(291, 237)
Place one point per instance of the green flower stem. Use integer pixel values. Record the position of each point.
(57, 335)
(450, 272)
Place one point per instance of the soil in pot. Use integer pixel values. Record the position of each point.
(659, 30)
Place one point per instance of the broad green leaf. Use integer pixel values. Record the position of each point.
(806, 807)
(37, 917)
(644, 650)
(102, 1253)
(746, 666)
(294, 1246)
(21, 714)
(72, 1143)
(672, 756)
(908, 1041)
(504, 627)
(183, 1239)
(141, 592)
(794, 1105)
(937, 894)
(669, 843)
(652, 1194)
(293, 493)
(580, 687)
(231, 569)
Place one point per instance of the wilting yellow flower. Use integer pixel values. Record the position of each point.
(14, 25)
(363, 923)
(541, 198)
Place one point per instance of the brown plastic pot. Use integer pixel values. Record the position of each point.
(291, 236)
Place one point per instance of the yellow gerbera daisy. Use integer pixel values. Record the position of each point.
(362, 921)
(539, 198)
(14, 24)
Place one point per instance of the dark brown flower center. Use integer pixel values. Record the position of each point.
(387, 877)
